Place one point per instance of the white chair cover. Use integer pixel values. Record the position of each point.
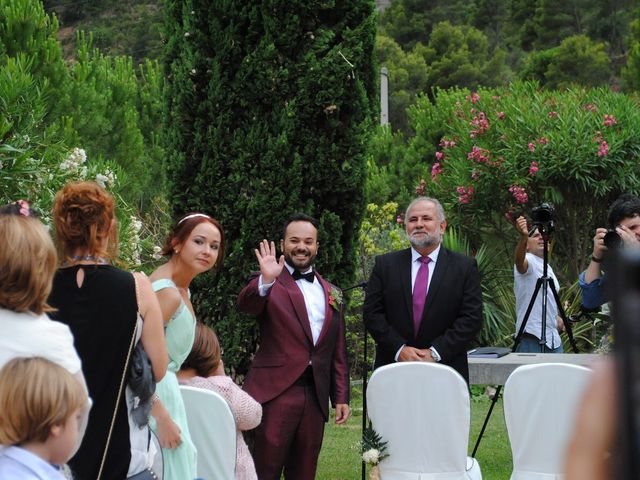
(422, 411)
(540, 402)
(213, 431)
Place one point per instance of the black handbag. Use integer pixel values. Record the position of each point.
(142, 385)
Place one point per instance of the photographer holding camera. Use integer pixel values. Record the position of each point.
(624, 229)
(529, 258)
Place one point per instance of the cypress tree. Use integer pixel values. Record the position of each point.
(269, 105)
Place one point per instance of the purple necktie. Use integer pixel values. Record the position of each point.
(420, 292)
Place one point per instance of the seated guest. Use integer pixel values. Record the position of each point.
(203, 368)
(40, 409)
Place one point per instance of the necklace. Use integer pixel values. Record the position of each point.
(89, 258)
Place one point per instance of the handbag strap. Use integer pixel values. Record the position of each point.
(124, 375)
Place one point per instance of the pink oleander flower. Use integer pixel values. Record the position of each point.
(500, 115)
(603, 151)
(436, 170)
(609, 120)
(478, 154)
(533, 169)
(473, 98)
(543, 141)
(532, 147)
(480, 125)
(400, 218)
(444, 143)
(519, 193)
(474, 175)
(590, 107)
(421, 187)
(552, 114)
(464, 194)
(439, 156)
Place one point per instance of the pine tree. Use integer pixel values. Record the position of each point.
(268, 108)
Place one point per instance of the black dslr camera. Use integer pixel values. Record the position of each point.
(542, 217)
(611, 239)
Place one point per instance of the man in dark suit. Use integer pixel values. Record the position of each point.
(301, 362)
(424, 303)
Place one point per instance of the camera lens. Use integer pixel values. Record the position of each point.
(611, 239)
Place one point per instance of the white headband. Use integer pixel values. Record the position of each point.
(194, 215)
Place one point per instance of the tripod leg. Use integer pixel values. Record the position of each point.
(486, 419)
(565, 320)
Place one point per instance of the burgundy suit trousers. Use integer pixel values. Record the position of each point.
(290, 435)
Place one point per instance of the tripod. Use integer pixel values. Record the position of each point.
(365, 372)
(543, 283)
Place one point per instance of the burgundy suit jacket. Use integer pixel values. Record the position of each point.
(286, 345)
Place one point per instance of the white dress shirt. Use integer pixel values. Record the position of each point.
(314, 300)
(415, 266)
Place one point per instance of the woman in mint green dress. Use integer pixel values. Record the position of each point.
(195, 245)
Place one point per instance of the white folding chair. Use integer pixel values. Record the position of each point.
(422, 411)
(540, 402)
(213, 431)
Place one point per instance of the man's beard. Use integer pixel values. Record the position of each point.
(302, 267)
(426, 240)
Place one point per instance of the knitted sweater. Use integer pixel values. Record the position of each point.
(246, 411)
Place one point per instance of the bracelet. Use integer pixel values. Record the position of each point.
(595, 259)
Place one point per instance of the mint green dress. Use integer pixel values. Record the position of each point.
(180, 462)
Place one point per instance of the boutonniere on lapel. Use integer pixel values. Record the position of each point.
(335, 298)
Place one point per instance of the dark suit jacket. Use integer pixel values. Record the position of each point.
(452, 313)
(286, 344)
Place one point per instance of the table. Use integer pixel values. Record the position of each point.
(495, 371)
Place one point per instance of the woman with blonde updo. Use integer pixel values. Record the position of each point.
(195, 245)
(103, 305)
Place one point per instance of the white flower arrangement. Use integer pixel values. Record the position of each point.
(374, 450)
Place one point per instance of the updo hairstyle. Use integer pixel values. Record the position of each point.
(83, 213)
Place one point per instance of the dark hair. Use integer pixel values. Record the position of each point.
(183, 228)
(205, 352)
(298, 217)
(19, 207)
(625, 206)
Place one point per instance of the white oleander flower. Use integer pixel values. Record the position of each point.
(136, 223)
(156, 252)
(102, 180)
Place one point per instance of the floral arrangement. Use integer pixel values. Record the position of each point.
(374, 450)
(335, 298)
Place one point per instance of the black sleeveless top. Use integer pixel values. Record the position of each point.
(101, 315)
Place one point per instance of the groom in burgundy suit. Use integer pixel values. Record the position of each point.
(301, 361)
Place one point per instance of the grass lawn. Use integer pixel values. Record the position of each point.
(340, 455)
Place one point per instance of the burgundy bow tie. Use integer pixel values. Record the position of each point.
(309, 276)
